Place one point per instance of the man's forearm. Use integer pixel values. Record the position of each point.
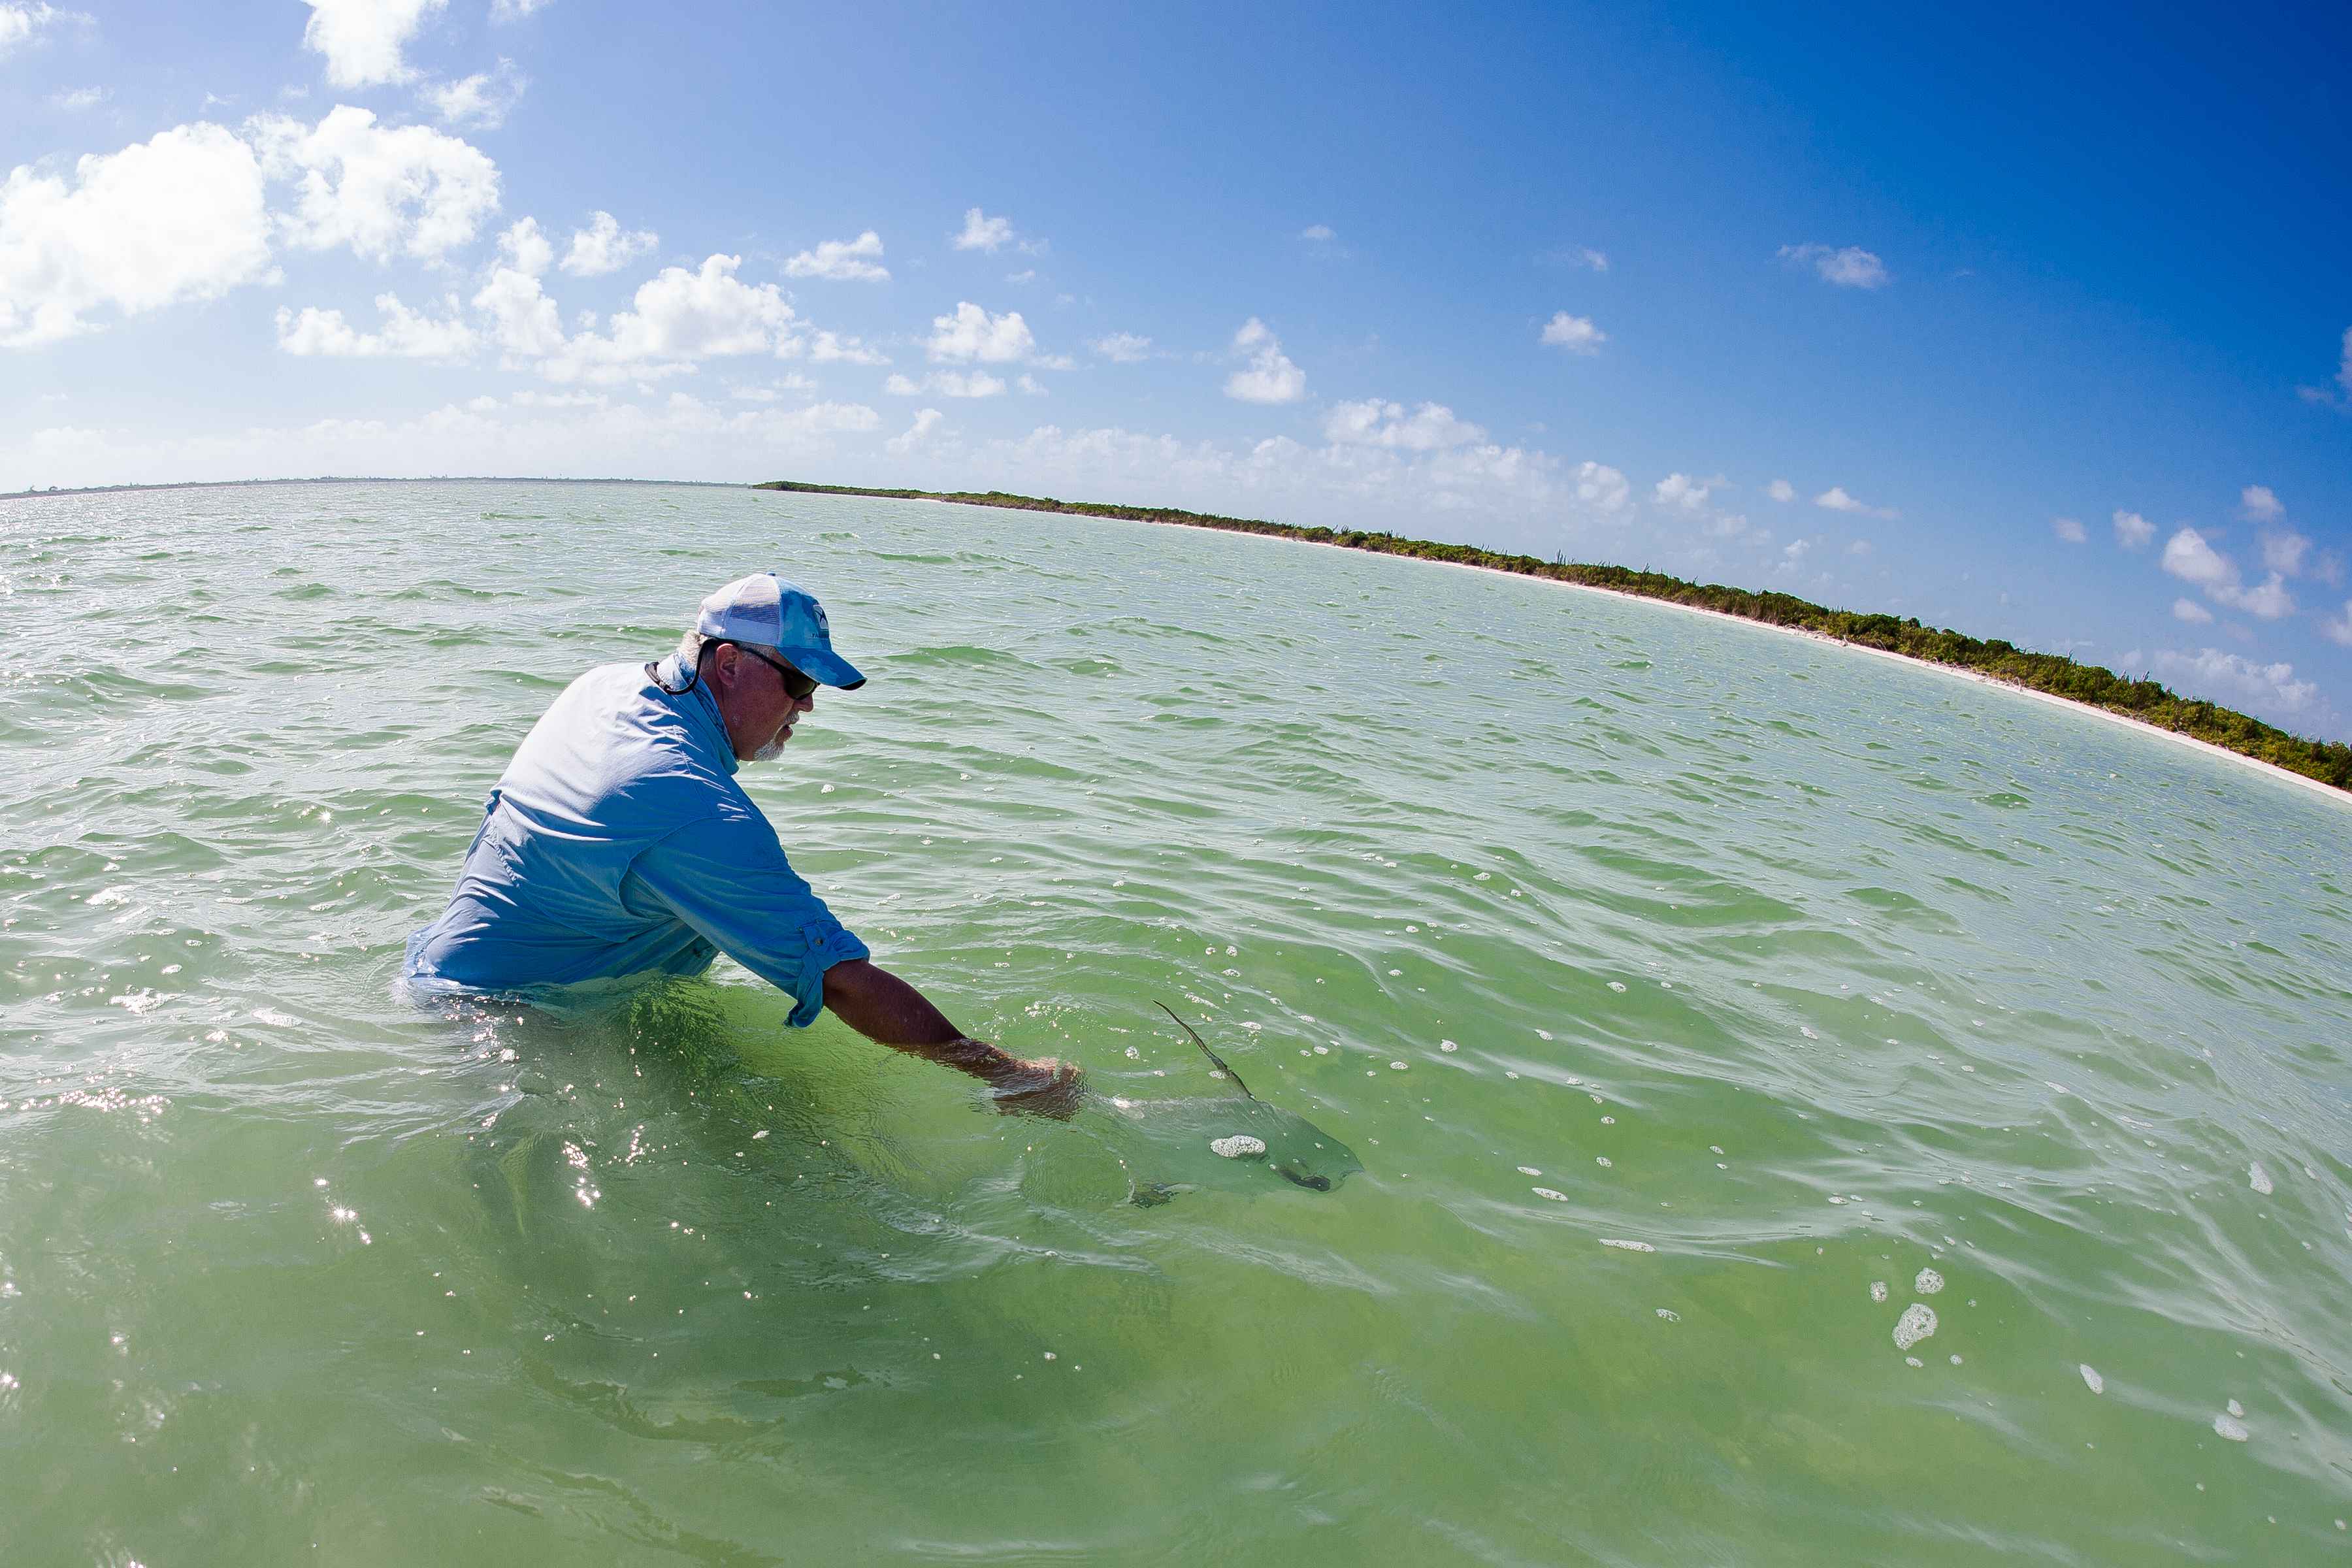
(887, 1011)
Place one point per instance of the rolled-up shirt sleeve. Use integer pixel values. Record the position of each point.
(727, 878)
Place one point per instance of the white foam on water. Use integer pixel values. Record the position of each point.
(1669, 1316)
(1918, 1322)
(1396, 1066)
(2235, 1408)
(1529, 1171)
(1627, 1246)
(2258, 1178)
(1929, 1282)
(1547, 1192)
(2230, 1427)
(1238, 1146)
(1447, 1045)
(1878, 1289)
(1602, 1160)
(273, 1016)
(1322, 1050)
(1807, 1032)
(1543, 1034)
(2091, 1378)
(1913, 1361)
(1616, 986)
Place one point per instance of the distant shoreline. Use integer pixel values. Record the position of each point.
(2284, 775)
(357, 480)
(2325, 766)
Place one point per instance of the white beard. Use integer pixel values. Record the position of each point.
(773, 750)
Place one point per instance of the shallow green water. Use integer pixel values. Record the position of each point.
(1583, 923)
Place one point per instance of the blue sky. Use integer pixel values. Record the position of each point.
(1882, 310)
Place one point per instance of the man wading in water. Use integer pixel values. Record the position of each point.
(618, 845)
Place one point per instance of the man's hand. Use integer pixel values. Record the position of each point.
(1045, 1087)
(886, 1009)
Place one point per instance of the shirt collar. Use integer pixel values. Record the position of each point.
(696, 706)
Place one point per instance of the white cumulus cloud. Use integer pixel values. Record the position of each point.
(376, 188)
(832, 348)
(2188, 556)
(2267, 599)
(677, 318)
(526, 247)
(1428, 428)
(523, 320)
(2190, 610)
(855, 260)
(484, 99)
(1601, 490)
(1684, 492)
(1577, 334)
(602, 247)
(2259, 503)
(2216, 675)
(925, 421)
(1317, 232)
(363, 39)
(1782, 490)
(405, 333)
(1848, 266)
(1836, 499)
(2283, 551)
(2069, 529)
(1270, 377)
(21, 24)
(503, 11)
(1122, 348)
(972, 334)
(2133, 531)
(946, 384)
(2339, 628)
(180, 216)
(981, 232)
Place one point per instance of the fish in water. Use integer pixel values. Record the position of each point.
(1225, 1140)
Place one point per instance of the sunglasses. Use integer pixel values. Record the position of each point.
(797, 686)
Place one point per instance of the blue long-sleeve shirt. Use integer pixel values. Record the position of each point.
(618, 843)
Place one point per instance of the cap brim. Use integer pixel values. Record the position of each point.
(828, 667)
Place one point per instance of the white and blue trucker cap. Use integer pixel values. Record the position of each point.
(766, 611)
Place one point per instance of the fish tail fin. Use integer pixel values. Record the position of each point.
(1216, 1060)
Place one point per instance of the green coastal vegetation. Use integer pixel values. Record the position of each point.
(2330, 762)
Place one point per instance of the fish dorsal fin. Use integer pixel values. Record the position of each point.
(1216, 1060)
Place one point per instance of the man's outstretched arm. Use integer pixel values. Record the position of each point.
(887, 1011)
